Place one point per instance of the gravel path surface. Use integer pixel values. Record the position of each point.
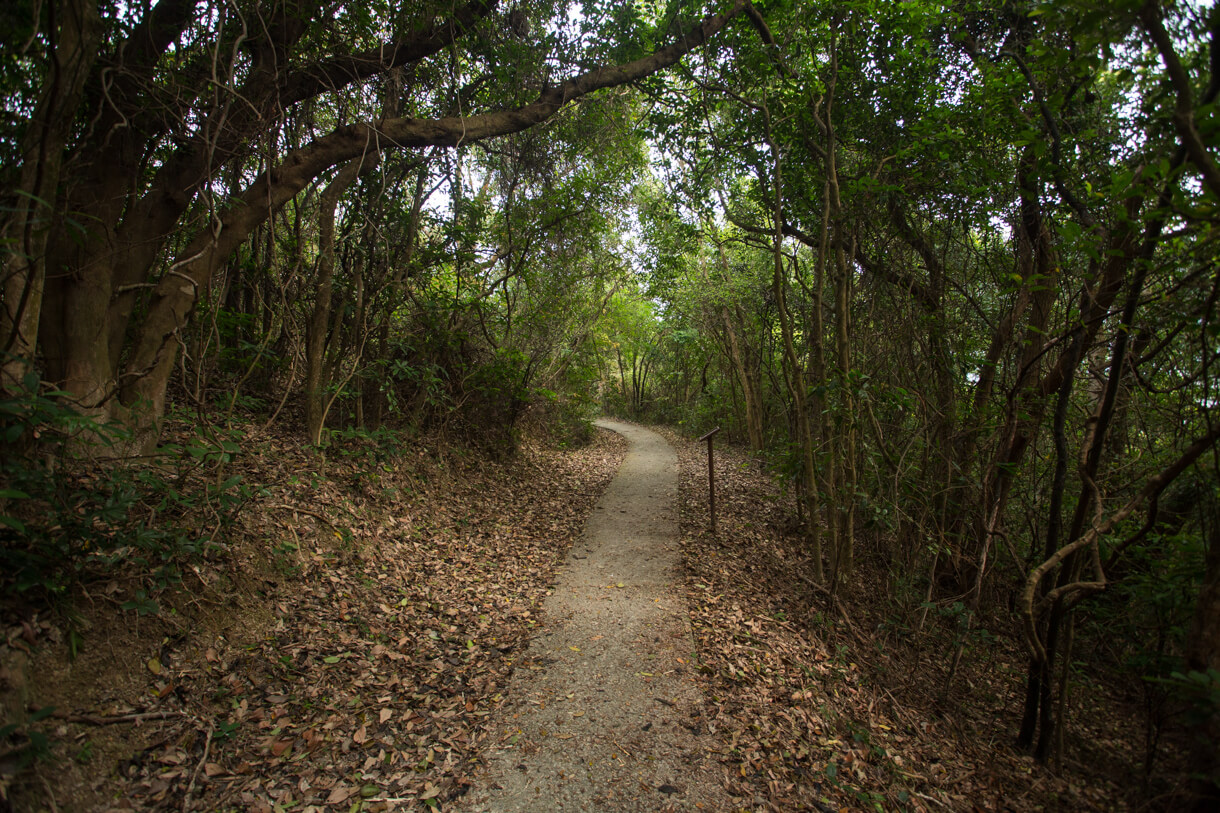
(604, 713)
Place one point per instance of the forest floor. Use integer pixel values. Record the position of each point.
(391, 636)
(344, 651)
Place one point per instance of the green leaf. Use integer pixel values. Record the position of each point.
(12, 522)
(232, 481)
(42, 713)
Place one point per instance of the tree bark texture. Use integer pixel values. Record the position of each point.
(74, 38)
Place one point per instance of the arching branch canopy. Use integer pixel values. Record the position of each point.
(174, 300)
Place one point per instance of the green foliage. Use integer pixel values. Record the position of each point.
(26, 743)
(495, 396)
(225, 730)
(1199, 691)
(36, 415)
(424, 381)
(240, 346)
(968, 140)
(1150, 607)
(67, 520)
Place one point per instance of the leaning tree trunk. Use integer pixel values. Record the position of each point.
(315, 346)
(1203, 658)
(843, 555)
(1128, 253)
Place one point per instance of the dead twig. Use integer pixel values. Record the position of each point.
(929, 798)
(298, 509)
(190, 789)
(98, 719)
(50, 795)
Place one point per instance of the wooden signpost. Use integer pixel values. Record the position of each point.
(711, 478)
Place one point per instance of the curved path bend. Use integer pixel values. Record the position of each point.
(604, 714)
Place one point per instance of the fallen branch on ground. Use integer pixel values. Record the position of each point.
(99, 719)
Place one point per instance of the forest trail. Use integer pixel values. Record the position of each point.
(604, 713)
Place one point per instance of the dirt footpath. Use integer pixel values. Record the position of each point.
(604, 713)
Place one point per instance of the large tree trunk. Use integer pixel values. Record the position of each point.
(947, 493)
(1038, 680)
(1128, 252)
(826, 478)
(843, 554)
(97, 277)
(843, 447)
(74, 36)
(128, 228)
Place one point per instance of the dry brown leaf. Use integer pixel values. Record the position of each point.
(339, 794)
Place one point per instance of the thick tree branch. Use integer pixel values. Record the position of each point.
(883, 271)
(1052, 127)
(339, 71)
(1150, 491)
(917, 290)
(1184, 109)
(764, 32)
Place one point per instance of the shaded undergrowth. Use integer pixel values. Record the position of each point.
(843, 707)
